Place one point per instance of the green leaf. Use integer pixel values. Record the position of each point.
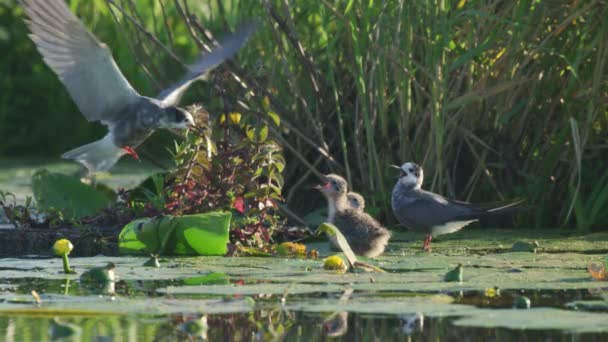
(201, 234)
(67, 194)
(334, 234)
(250, 133)
(280, 166)
(205, 234)
(275, 118)
(262, 134)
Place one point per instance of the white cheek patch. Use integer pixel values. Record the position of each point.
(408, 179)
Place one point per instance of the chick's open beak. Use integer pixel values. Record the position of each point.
(322, 187)
(401, 173)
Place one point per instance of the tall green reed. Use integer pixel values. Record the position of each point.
(484, 94)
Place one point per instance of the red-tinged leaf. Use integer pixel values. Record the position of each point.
(239, 204)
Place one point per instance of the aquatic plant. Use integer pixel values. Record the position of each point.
(230, 163)
(62, 248)
(495, 100)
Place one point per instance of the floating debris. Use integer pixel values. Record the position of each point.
(152, 262)
(522, 302)
(100, 278)
(455, 275)
(524, 246)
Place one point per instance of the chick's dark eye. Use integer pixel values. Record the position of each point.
(412, 170)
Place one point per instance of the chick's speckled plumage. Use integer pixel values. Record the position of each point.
(364, 234)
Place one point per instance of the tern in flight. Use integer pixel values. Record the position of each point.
(86, 68)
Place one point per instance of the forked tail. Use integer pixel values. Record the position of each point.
(100, 155)
(510, 208)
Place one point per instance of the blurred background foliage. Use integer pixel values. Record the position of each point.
(496, 99)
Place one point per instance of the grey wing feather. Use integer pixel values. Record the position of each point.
(428, 209)
(228, 47)
(82, 63)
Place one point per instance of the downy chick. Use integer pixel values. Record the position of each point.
(365, 235)
(356, 201)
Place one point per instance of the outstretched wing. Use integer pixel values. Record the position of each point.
(83, 64)
(228, 47)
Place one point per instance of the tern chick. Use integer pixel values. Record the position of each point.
(364, 234)
(356, 201)
(86, 68)
(434, 214)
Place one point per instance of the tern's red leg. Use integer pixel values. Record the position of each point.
(131, 152)
(427, 243)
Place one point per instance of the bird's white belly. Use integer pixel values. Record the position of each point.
(449, 227)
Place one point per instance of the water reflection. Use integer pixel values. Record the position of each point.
(269, 320)
(266, 325)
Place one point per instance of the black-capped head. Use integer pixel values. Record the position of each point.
(176, 117)
(411, 174)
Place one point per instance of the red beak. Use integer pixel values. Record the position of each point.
(322, 187)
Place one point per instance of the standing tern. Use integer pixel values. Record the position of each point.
(434, 214)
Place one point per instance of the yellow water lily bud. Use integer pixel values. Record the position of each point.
(62, 247)
(334, 262)
(492, 292)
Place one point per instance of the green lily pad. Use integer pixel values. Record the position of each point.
(537, 319)
(254, 289)
(589, 305)
(67, 194)
(58, 305)
(214, 278)
(202, 234)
